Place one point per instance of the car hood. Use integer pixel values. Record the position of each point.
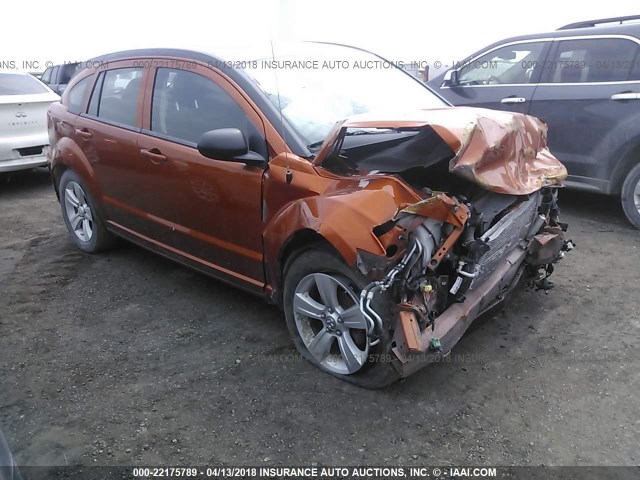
(504, 152)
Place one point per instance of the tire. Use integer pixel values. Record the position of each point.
(84, 223)
(630, 196)
(324, 341)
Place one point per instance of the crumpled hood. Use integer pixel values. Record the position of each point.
(504, 152)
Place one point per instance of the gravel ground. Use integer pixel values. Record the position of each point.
(127, 358)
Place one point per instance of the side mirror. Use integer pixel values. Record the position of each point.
(450, 78)
(229, 144)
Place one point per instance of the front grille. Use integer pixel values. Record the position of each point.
(30, 151)
(505, 235)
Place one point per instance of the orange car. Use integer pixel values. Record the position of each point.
(325, 179)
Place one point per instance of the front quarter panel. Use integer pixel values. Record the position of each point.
(344, 211)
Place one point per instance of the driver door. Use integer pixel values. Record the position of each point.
(504, 78)
(209, 210)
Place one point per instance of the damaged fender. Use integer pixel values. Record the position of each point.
(345, 215)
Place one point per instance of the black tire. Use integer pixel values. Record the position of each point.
(377, 371)
(628, 196)
(100, 239)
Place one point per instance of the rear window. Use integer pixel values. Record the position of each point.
(77, 95)
(16, 84)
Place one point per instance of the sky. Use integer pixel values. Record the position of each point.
(71, 30)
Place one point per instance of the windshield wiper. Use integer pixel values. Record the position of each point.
(353, 133)
(317, 144)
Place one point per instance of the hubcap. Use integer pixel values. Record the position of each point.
(636, 196)
(330, 323)
(78, 211)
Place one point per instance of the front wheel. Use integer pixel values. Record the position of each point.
(631, 196)
(321, 296)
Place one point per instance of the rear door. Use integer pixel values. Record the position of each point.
(589, 97)
(108, 135)
(503, 78)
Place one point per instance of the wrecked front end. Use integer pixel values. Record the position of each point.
(487, 222)
(456, 266)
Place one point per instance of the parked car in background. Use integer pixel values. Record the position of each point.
(382, 236)
(24, 101)
(583, 80)
(58, 76)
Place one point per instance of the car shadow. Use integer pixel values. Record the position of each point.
(24, 181)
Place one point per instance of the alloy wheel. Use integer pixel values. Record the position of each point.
(78, 211)
(330, 323)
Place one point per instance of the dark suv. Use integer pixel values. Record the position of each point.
(57, 77)
(583, 80)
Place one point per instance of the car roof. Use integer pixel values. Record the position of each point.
(630, 29)
(235, 52)
(155, 52)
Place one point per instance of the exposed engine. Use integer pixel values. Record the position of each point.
(445, 259)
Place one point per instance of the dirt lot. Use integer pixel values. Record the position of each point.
(127, 358)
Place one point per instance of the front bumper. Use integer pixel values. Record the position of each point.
(413, 348)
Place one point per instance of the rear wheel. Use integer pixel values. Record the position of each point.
(321, 296)
(86, 227)
(631, 196)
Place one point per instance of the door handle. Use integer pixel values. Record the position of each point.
(513, 100)
(626, 96)
(84, 133)
(154, 155)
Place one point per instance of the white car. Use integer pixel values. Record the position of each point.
(24, 101)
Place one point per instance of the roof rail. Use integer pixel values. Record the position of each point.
(593, 23)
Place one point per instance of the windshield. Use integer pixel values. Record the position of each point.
(320, 85)
(17, 84)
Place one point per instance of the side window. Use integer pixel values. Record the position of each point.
(77, 94)
(46, 76)
(594, 60)
(116, 96)
(54, 75)
(186, 104)
(513, 64)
